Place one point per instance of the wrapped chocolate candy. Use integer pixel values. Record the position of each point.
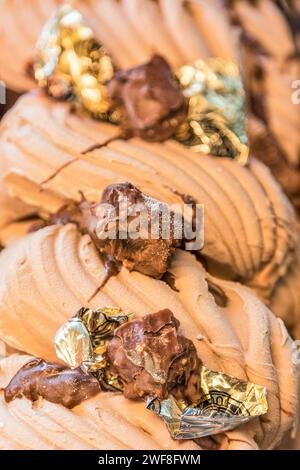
(149, 358)
(132, 229)
(150, 100)
(152, 358)
(82, 341)
(71, 64)
(216, 122)
(200, 105)
(225, 403)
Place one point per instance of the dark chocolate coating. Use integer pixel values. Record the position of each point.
(150, 98)
(147, 255)
(53, 382)
(153, 359)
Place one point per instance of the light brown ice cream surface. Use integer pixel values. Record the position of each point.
(251, 230)
(47, 276)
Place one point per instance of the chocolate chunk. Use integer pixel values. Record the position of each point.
(127, 226)
(150, 99)
(54, 382)
(153, 359)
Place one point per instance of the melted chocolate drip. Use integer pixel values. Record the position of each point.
(29, 70)
(112, 268)
(217, 292)
(56, 173)
(169, 279)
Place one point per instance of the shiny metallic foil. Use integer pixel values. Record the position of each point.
(82, 341)
(225, 403)
(72, 65)
(216, 122)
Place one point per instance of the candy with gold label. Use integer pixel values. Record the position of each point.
(225, 403)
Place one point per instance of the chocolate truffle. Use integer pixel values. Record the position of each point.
(153, 359)
(150, 98)
(120, 213)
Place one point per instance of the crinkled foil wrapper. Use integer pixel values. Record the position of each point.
(82, 341)
(72, 65)
(216, 122)
(226, 402)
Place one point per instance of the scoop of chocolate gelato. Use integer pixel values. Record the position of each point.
(153, 359)
(54, 382)
(127, 227)
(150, 99)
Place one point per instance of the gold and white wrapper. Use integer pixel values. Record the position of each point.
(71, 64)
(226, 402)
(82, 341)
(216, 122)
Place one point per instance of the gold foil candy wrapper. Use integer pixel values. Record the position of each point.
(82, 341)
(216, 122)
(73, 345)
(226, 402)
(102, 322)
(72, 64)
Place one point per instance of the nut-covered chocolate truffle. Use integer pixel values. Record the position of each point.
(128, 227)
(153, 359)
(54, 382)
(150, 98)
